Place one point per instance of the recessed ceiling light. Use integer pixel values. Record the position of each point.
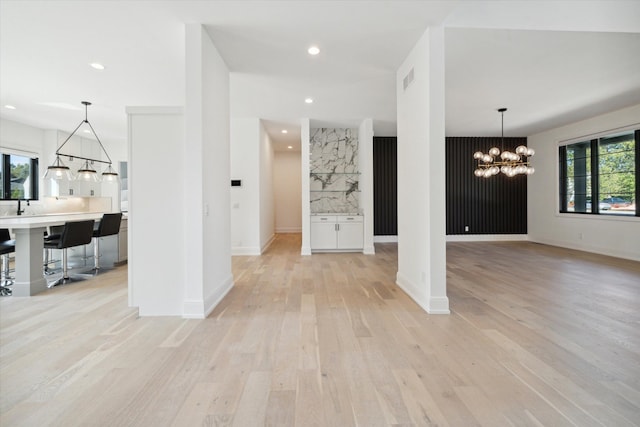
(9, 107)
(313, 50)
(285, 131)
(308, 100)
(97, 66)
(289, 147)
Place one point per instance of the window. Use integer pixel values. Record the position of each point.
(604, 170)
(18, 177)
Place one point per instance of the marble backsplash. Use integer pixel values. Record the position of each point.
(334, 174)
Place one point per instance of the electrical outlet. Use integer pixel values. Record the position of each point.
(466, 228)
(580, 236)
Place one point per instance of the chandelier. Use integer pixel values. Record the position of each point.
(510, 164)
(59, 171)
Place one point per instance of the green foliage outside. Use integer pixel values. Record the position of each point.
(617, 166)
(616, 169)
(19, 173)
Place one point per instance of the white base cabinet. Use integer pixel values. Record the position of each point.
(337, 233)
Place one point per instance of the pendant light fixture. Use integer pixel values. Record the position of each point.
(59, 170)
(510, 164)
(87, 173)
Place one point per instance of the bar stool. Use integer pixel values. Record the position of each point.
(109, 225)
(54, 234)
(7, 246)
(75, 233)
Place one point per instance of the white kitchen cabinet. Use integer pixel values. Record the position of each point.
(336, 232)
(350, 235)
(123, 241)
(323, 232)
(83, 147)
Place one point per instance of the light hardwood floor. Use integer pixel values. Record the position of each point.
(538, 336)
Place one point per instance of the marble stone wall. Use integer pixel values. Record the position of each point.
(334, 174)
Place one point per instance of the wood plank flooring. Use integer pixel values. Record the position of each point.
(538, 336)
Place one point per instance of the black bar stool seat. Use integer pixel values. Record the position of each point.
(109, 225)
(7, 246)
(74, 233)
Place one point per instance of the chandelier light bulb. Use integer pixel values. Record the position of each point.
(487, 158)
(530, 152)
(478, 172)
(495, 151)
(478, 155)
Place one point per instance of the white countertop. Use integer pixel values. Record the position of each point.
(35, 221)
(335, 214)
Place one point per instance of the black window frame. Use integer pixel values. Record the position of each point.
(594, 175)
(5, 158)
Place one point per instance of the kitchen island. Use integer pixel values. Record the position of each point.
(29, 231)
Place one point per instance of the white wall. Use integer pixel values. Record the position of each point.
(19, 136)
(287, 187)
(607, 235)
(216, 263)
(156, 264)
(421, 175)
(245, 200)
(267, 220)
(207, 240)
(365, 150)
(179, 239)
(305, 135)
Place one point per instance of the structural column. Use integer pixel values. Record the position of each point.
(421, 174)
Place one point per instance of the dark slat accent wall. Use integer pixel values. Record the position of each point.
(385, 186)
(496, 205)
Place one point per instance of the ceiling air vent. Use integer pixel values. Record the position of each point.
(408, 79)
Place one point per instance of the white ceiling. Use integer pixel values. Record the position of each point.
(550, 63)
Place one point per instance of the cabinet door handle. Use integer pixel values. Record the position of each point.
(337, 227)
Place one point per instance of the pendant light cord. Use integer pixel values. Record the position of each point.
(86, 120)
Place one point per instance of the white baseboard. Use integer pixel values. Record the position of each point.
(411, 289)
(438, 305)
(198, 309)
(284, 230)
(369, 250)
(589, 248)
(245, 251)
(385, 239)
(432, 305)
(269, 242)
(486, 237)
(305, 250)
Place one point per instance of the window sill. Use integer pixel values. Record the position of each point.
(599, 217)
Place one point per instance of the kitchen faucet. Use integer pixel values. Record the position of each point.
(20, 211)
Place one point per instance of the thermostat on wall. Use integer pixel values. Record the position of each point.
(236, 183)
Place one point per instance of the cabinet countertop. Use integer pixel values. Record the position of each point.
(335, 214)
(35, 221)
